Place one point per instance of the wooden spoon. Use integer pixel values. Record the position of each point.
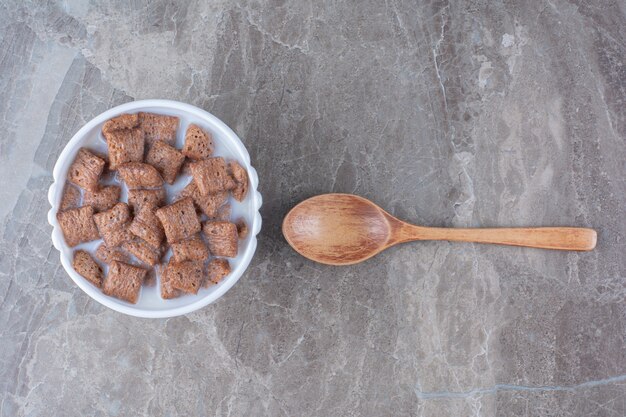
(344, 229)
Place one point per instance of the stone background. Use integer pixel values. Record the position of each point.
(466, 113)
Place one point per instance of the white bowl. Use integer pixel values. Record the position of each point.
(227, 144)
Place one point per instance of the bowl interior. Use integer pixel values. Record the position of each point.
(227, 145)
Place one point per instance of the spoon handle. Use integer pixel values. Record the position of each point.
(564, 238)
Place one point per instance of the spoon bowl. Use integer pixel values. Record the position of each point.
(337, 229)
(344, 229)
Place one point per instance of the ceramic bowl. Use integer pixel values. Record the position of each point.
(227, 144)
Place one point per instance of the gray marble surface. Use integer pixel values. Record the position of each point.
(468, 113)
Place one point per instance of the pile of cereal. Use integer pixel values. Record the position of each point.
(136, 235)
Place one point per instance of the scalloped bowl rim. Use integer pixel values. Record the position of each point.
(56, 188)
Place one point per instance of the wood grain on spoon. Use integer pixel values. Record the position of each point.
(344, 229)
